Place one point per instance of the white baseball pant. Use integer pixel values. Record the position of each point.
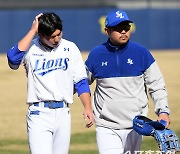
(48, 130)
(112, 141)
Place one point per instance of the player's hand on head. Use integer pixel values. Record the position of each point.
(35, 23)
(88, 118)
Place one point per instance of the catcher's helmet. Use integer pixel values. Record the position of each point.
(145, 126)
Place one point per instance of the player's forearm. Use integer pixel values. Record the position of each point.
(88, 116)
(157, 89)
(25, 42)
(86, 101)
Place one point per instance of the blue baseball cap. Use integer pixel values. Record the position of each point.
(116, 17)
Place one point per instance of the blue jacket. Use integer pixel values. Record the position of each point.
(124, 76)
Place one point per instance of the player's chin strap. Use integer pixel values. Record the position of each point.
(167, 140)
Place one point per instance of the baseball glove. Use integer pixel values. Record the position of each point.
(145, 126)
(167, 140)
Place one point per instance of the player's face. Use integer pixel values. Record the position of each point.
(53, 40)
(119, 34)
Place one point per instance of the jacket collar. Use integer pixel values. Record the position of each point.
(114, 48)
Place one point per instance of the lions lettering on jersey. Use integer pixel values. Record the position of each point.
(44, 66)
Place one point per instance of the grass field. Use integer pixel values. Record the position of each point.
(13, 137)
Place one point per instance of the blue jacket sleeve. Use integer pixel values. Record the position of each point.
(82, 87)
(15, 56)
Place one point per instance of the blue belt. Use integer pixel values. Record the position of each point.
(51, 104)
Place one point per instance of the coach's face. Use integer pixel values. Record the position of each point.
(119, 34)
(53, 40)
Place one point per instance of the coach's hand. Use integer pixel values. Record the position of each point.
(165, 117)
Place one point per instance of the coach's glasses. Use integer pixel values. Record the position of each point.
(122, 26)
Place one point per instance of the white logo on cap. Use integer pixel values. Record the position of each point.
(119, 14)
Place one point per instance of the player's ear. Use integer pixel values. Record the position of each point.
(107, 31)
(40, 35)
(61, 33)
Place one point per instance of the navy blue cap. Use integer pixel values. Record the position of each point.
(116, 17)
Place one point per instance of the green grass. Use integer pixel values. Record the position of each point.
(83, 152)
(81, 143)
(13, 152)
(83, 138)
(149, 144)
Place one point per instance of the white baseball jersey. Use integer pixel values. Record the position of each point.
(52, 74)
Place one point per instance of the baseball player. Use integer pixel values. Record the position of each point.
(54, 68)
(125, 72)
